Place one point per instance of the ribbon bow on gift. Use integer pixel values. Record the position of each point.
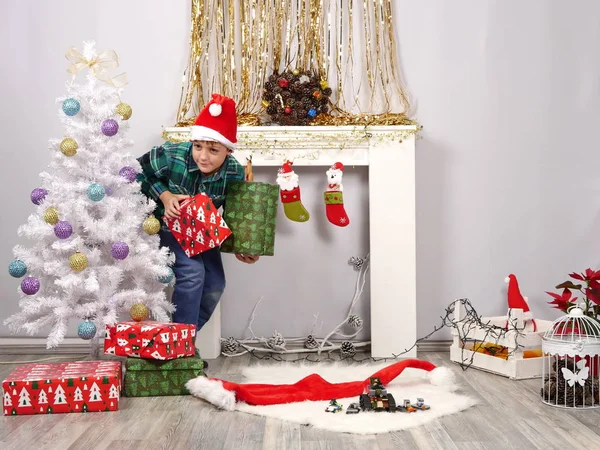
(98, 65)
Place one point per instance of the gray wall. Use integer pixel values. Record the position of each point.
(507, 172)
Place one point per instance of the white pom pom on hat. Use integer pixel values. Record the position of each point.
(215, 109)
(442, 376)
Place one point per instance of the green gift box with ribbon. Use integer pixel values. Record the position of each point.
(250, 212)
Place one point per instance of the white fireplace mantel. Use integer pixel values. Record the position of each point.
(389, 152)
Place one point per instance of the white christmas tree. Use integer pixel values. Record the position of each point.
(7, 399)
(113, 392)
(24, 399)
(42, 398)
(95, 395)
(78, 395)
(59, 396)
(95, 252)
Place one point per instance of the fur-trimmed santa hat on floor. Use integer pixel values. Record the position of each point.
(226, 395)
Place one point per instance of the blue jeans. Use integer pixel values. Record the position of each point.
(199, 282)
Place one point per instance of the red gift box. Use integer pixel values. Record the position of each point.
(83, 386)
(200, 226)
(150, 340)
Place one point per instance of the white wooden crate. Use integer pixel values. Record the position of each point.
(515, 366)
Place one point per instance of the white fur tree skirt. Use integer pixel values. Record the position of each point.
(412, 383)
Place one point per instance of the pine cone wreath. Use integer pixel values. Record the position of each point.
(276, 342)
(310, 342)
(229, 346)
(355, 321)
(295, 97)
(348, 350)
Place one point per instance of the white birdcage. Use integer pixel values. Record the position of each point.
(570, 374)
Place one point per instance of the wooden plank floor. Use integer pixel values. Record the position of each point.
(509, 416)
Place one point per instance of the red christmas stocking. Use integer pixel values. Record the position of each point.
(334, 198)
(289, 191)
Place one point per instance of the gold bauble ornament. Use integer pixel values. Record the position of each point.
(265, 103)
(78, 261)
(138, 312)
(296, 72)
(68, 146)
(151, 225)
(51, 215)
(124, 110)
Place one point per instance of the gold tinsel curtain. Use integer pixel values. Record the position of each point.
(237, 44)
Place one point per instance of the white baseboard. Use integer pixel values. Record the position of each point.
(74, 345)
(37, 346)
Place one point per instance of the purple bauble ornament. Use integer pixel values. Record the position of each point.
(38, 195)
(110, 127)
(108, 190)
(30, 285)
(63, 229)
(128, 173)
(119, 250)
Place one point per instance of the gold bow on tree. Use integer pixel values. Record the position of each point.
(99, 65)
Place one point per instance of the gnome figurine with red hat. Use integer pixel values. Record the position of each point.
(334, 198)
(517, 301)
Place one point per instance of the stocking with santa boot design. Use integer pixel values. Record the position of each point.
(289, 190)
(334, 198)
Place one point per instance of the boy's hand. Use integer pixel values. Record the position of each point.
(248, 259)
(171, 202)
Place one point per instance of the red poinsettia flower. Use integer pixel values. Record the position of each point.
(562, 301)
(588, 275)
(593, 294)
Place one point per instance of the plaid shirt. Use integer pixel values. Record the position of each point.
(171, 167)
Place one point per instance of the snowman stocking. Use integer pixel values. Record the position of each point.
(289, 191)
(334, 198)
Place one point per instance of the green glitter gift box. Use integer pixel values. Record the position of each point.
(251, 212)
(149, 378)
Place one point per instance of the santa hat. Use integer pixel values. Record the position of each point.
(226, 395)
(516, 300)
(217, 122)
(286, 168)
(337, 166)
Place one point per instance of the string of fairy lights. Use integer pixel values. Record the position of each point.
(314, 350)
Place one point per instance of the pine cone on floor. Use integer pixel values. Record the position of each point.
(229, 346)
(310, 342)
(348, 350)
(276, 342)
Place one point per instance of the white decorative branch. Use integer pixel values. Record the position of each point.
(278, 344)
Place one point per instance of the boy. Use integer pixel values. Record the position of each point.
(173, 172)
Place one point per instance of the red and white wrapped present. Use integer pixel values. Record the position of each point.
(200, 227)
(83, 386)
(150, 340)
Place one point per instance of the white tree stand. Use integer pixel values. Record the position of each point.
(393, 255)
